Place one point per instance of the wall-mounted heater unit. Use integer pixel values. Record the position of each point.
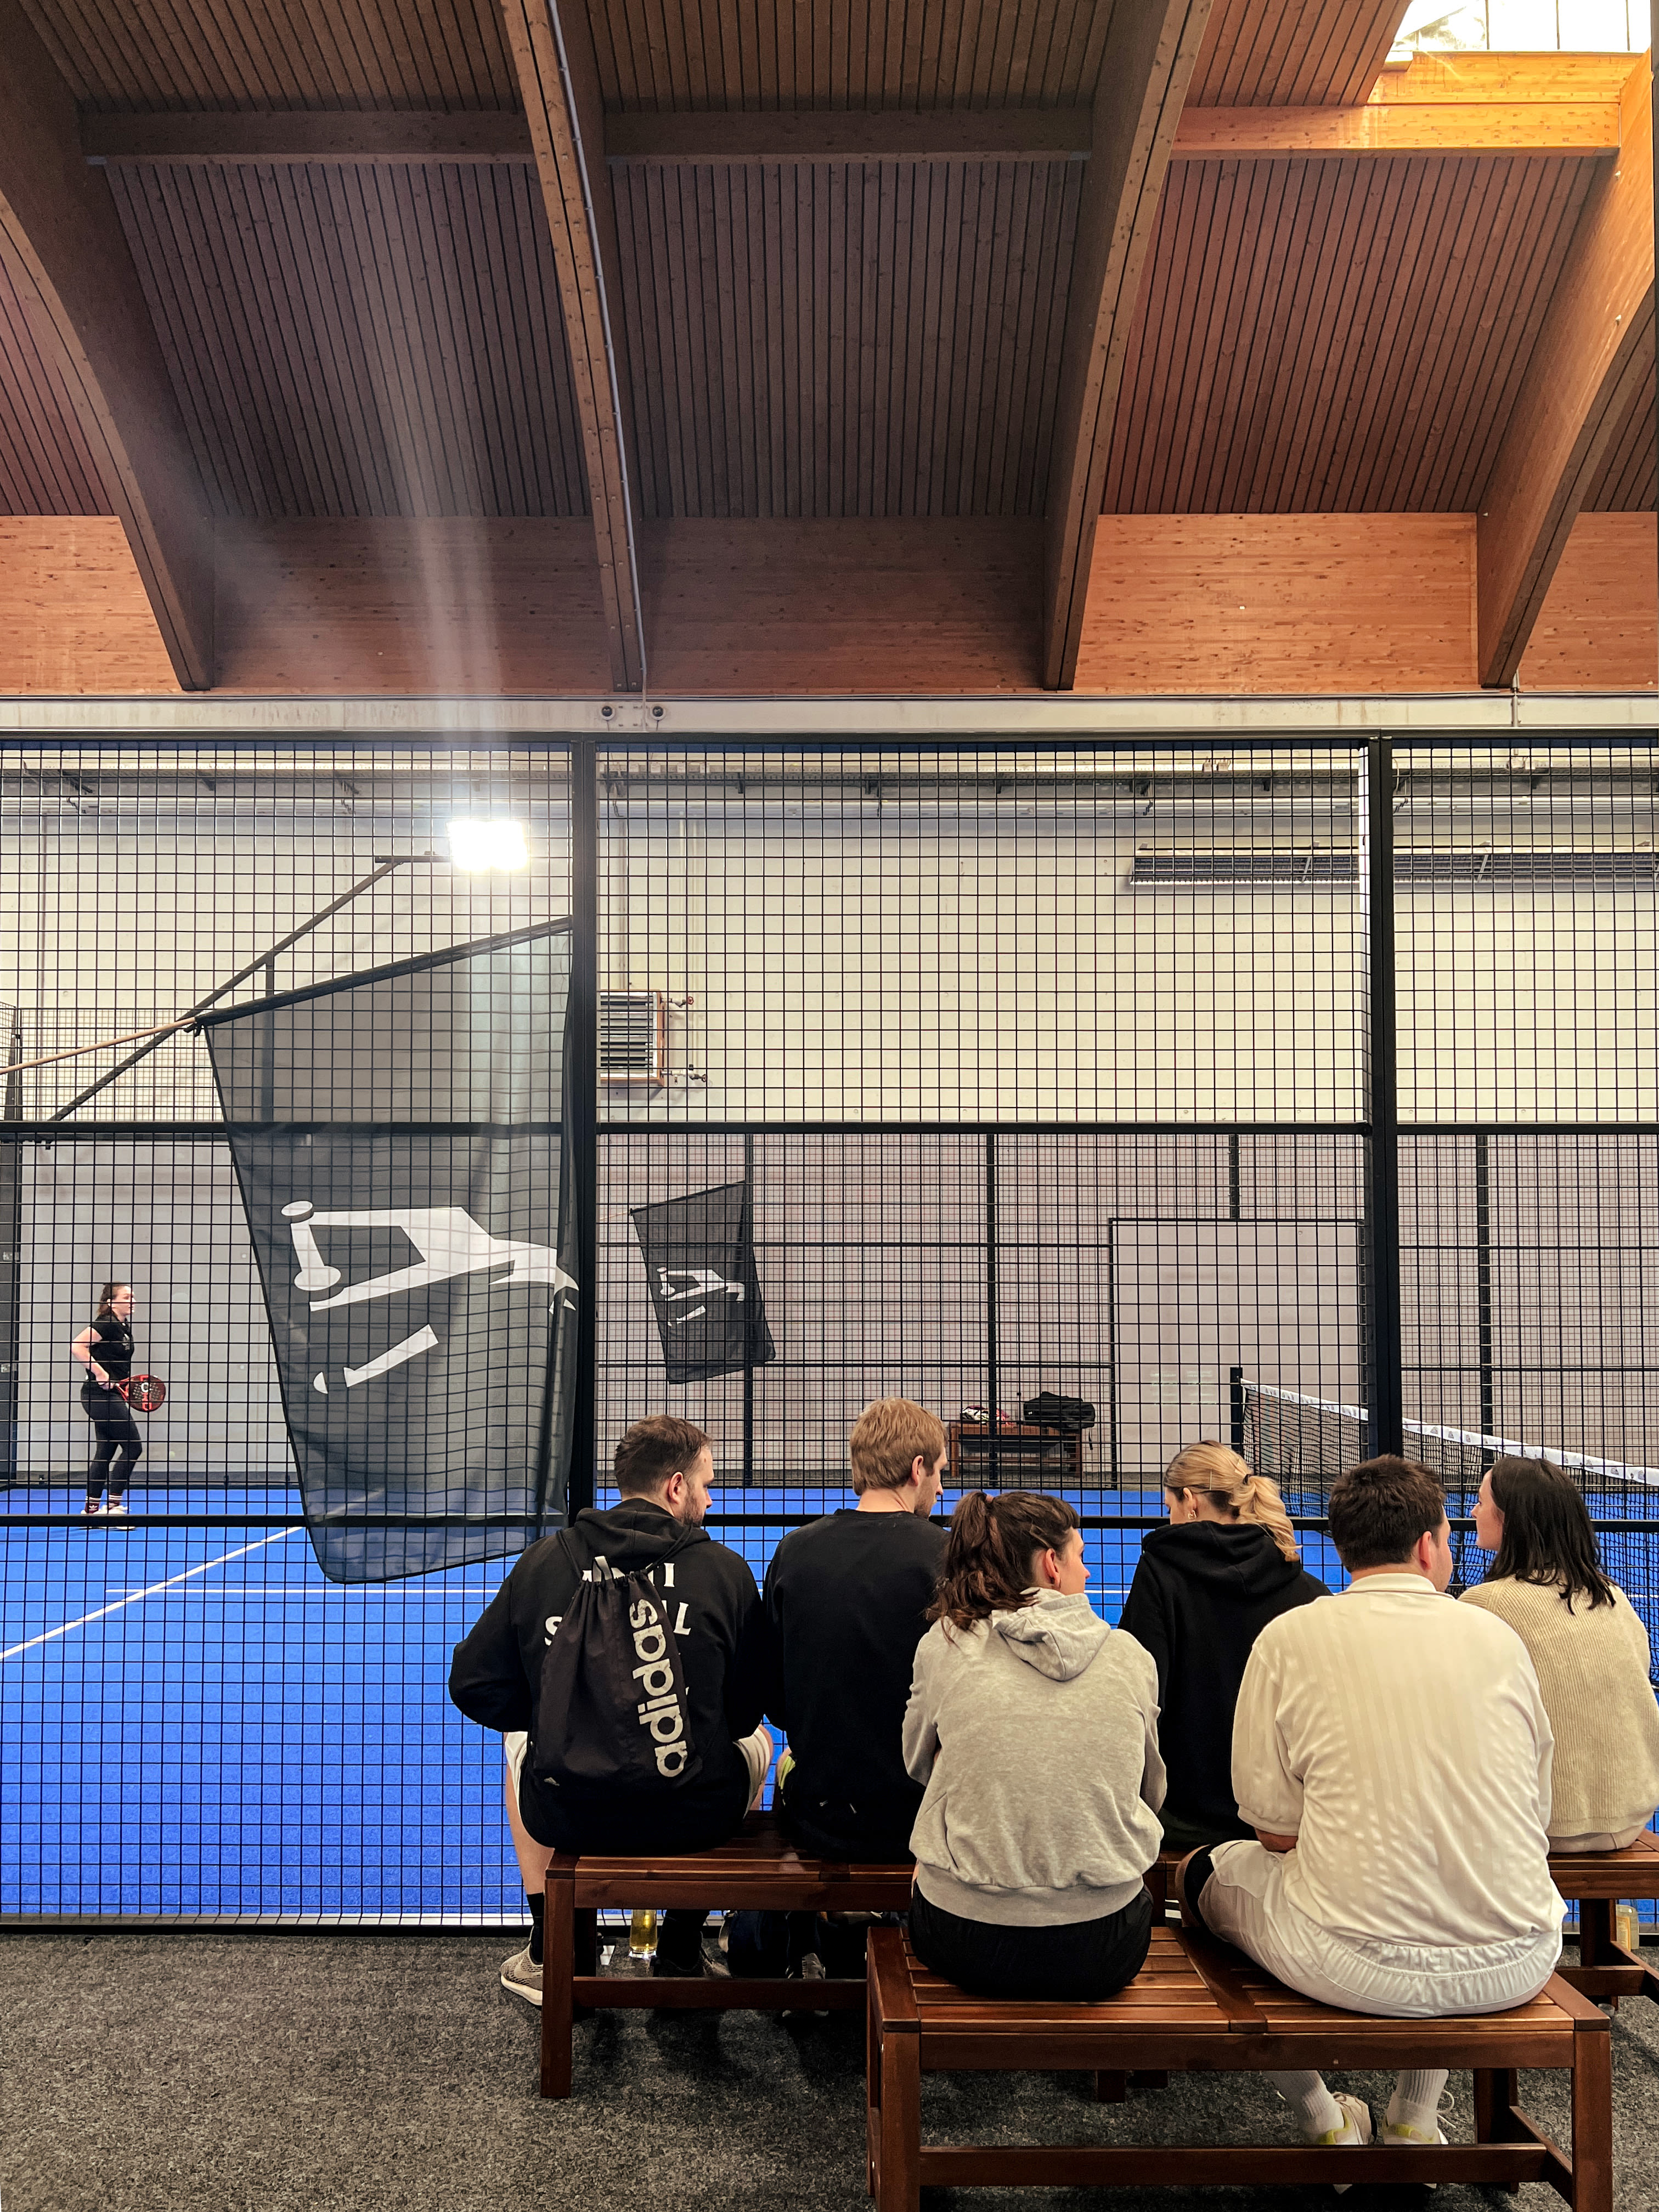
(633, 1037)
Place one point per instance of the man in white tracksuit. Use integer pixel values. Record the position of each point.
(1396, 1767)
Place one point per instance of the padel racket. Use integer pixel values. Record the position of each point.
(145, 1394)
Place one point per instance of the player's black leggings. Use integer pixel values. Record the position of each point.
(119, 1444)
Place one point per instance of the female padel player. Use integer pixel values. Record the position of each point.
(105, 1350)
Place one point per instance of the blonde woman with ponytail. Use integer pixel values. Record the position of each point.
(1206, 1588)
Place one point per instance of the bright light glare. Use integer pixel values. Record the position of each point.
(477, 842)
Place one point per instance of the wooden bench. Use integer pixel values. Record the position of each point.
(758, 1869)
(1197, 2007)
(1593, 1880)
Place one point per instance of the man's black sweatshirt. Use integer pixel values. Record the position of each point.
(845, 1607)
(495, 1674)
(1202, 1592)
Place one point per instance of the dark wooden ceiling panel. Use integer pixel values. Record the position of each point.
(836, 340)
(1629, 477)
(1324, 336)
(44, 466)
(134, 54)
(848, 53)
(362, 341)
(1293, 53)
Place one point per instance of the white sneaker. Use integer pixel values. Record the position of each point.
(1402, 2134)
(1354, 2132)
(92, 1509)
(116, 1505)
(523, 1977)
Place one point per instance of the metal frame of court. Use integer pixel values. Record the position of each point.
(1627, 724)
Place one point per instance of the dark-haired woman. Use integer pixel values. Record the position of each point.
(1588, 1648)
(105, 1350)
(1034, 1726)
(1205, 1589)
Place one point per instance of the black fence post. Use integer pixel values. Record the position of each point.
(748, 1334)
(1385, 1355)
(11, 1256)
(583, 1035)
(1236, 1407)
(990, 1302)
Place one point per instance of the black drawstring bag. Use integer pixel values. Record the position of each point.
(613, 1711)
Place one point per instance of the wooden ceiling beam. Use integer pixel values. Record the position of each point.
(1594, 352)
(63, 248)
(1150, 53)
(850, 134)
(224, 138)
(551, 46)
(1567, 128)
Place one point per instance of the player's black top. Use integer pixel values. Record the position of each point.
(113, 1349)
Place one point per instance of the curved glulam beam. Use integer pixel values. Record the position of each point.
(548, 38)
(64, 250)
(1151, 51)
(1594, 351)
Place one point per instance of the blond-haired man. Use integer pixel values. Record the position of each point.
(843, 1609)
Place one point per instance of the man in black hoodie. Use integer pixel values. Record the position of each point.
(663, 1468)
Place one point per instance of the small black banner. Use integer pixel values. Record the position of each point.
(699, 1254)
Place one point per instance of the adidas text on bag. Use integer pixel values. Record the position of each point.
(614, 1712)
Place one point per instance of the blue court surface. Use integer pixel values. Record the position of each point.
(195, 1722)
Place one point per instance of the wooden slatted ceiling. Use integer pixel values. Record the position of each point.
(44, 466)
(1316, 336)
(848, 53)
(837, 340)
(362, 341)
(1629, 478)
(123, 54)
(1293, 53)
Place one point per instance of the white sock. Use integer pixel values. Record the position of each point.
(1416, 2100)
(1315, 2107)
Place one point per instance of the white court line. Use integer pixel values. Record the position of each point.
(51, 1634)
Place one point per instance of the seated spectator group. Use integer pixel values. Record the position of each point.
(1366, 1786)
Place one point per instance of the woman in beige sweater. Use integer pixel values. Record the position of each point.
(1588, 1646)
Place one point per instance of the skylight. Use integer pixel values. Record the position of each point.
(1571, 27)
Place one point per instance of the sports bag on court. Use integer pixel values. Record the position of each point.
(613, 1711)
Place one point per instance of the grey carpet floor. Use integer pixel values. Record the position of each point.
(338, 2074)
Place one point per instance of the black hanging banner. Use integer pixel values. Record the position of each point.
(399, 1138)
(699, 1256)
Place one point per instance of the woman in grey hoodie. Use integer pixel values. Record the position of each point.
(1035, 1728)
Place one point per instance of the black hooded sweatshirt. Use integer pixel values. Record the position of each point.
(1202, 1592)
(496, 1676)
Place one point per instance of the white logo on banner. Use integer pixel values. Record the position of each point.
(701, 1283)
(450, 1243)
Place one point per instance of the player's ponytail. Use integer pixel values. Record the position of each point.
(987, 1558)
(1234, 1492)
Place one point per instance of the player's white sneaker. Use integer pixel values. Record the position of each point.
(116, 1505)
(1355, 2130)
(92, 1509)
(523, 1977)
(1406, 2137)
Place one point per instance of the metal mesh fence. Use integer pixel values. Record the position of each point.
(1034, 1068)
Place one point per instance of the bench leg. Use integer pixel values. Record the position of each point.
(1595, 1946)
(1496, 2088)
(558, 1969)
(1592, 2117)
(1111, 2088)
(896, 2122)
